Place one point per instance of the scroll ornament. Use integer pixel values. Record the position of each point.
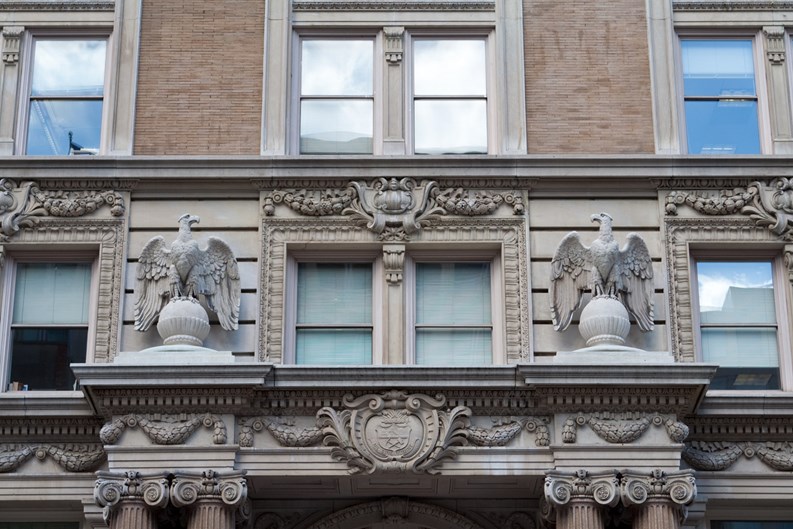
(23, 206)
(167, 430)
(71, 457)
(622, 427)
(111, 488)
(562, 487)
(394, 209)
(394, 432)
(636, 488)
(717, 456)
(769, 205)
(229, 487)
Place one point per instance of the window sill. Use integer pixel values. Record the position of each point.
(44, 403)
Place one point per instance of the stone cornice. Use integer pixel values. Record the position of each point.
(57, 5)
(412, 5)
(727, 5)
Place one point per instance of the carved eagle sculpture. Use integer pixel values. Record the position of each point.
(184, 271)
(624, 274)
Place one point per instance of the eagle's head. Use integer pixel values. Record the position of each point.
(602, 218)
(188, 220)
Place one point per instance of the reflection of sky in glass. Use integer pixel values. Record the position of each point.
(69, 67)
(51, 121)
(450, 126)
(736, 292)
(337, 67)
(722, 127)
(449, 67)
(334, 126)
(718, 67)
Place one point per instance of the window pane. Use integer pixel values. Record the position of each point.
(718, 67)
(40, 357)
(741, 346)
(333, 346)
(50, 293)
(450, 127)
(736, 292)
(69, 67)
(337, 67)
(50, 122)
(453, 347)
(336, 126)
(722, 127)
(453, 293)
(334, 293)
(449, 67)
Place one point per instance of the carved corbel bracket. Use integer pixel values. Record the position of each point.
(111, 488)
(23, 206)
(636, 488)
(775, 44)
(165, 429)
(394, 262)
(769, 205)
(230, 488)
(12, 38)
(394, 45)
(394, 432)
(70, 457)
(622, 428)
(562, 487)
(282, 429)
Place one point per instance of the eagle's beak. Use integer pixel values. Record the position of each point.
(595, 218)
(193, 220)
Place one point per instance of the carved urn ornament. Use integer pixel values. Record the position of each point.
(620, 281)
(170, 279)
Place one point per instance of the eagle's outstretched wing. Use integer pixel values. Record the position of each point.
(636, 269)
(152, 286)
(568, 279)
(218, 279)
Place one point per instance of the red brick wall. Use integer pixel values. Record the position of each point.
(587, 77)
(200, 77)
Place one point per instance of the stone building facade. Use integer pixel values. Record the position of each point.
(416, 165)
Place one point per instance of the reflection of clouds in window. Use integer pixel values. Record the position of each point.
(337, 67)
(328, 126)
(716, 278)
(450, 127)
(69, 67)
(449, 67)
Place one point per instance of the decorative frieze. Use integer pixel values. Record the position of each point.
(165, 429)
(622, 428)
(282, 429)
(23, 206)
(12, 38)
(727, 5)
(60, 5)
(388, 5)
(70, 457)
(507, 429)
(717, 456)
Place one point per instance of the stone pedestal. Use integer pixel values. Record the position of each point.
(211, 499)
(129, 500)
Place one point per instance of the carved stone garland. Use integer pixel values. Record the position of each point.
(769, 205)
(22, 206)
(717, 456)
(622, 427)
(165, 429)
(71, 457)
(393, 209)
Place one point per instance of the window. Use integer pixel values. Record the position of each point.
(738, 322)
(450, 96)
(48, 327)
(336, 96)
(66, 92)
(720, 96)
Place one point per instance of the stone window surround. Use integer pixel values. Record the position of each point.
(470, 238)
(689, 237)
(100, 241)
(502, 23)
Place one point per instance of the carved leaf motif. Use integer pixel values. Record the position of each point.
(711, 456)
(11, 458)
(280, 428)
(171, 431)
(776, 455)
(497, 436)
(77, 458)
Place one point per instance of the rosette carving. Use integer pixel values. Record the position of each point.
(507, 429)
(622, 427)
(70, 457)
(283, 429)
(562, 487)
(636, 488)
(769, 205)
(112, 488)
(23, 206)
(166, 430)
(229, 487)
(394, 432)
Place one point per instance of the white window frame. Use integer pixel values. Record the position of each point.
(64, 255)
(484, 34)
(27, 78)
(761, 88)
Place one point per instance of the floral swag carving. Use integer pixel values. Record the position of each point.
(622, 427)
(283, 429)
(70, 457)
(164, 429)
(23, 206)
(768, 205)
(393, 209)
(717, 456)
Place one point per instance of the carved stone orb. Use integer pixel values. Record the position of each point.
(604, 321)
(183, 321)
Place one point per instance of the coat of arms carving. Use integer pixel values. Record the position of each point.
(394, 432)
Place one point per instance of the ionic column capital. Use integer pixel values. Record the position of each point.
(230, 488)
(679, 487)
(112, 488)
(600, 487)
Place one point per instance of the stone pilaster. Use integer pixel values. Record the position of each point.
(211, 498)
(129, 499)
(658, 499)
(9, 80)
(577, 500)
